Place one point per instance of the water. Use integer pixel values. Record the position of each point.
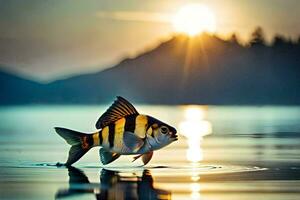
(222, 153)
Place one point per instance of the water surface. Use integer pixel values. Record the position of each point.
(222, 153)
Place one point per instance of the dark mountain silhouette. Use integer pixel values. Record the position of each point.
(182, 70)
(17, 90)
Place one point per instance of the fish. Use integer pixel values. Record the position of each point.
(121, 130)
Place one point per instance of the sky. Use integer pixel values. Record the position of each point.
(51, 39)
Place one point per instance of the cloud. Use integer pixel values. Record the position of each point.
(136, 16)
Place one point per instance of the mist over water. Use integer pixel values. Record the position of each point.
(223, 152)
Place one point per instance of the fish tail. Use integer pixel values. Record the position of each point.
(80, 143)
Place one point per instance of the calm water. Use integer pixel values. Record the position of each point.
(222, 153)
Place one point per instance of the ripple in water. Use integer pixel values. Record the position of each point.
(161, 169)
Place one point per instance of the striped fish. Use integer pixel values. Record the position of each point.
(121, 131)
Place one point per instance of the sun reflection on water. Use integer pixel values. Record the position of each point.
(195, 188)
(194, 127)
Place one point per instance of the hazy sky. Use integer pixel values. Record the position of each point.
(49, 39)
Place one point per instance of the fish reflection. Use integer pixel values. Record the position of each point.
(112, 186)
(194, 127)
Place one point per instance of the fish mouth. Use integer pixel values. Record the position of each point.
(174, 136)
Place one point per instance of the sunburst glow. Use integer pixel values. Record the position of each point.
(194, 19)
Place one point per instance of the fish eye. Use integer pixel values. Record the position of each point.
(164, 130)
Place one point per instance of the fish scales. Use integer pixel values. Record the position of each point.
(130, 123)
(119, 131)
(105, 137)
(111, 135)
(96, 139)
(141, 123)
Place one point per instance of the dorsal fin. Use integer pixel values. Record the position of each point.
(119, 109)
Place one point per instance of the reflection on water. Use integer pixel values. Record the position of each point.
(195, 189)
(112, 186)
(194, 127)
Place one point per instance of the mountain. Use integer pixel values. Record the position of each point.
(183, 70)
(17, 90)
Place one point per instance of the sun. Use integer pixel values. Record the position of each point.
(193, 19)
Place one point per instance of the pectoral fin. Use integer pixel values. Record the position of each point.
(107, 157)
(132, 141)
(145, 157)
